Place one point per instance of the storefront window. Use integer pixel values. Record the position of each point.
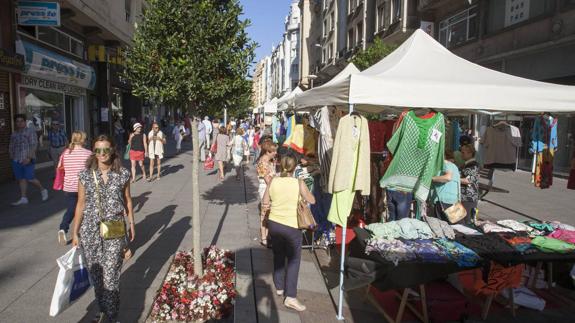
(41, 109)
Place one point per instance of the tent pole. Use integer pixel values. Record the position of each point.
(342, 261)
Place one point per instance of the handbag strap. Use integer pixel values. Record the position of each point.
(98, 204)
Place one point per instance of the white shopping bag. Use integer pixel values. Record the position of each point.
(73, 280)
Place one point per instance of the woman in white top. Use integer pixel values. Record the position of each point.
(156, 141)
(179, 132)
(239, 145)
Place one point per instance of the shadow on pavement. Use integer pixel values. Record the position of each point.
(171, 169)
(139, 201)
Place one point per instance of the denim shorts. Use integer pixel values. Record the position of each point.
(22, 171)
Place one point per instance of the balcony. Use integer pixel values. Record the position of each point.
(425, 5)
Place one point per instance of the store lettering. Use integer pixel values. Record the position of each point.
(38, 13)
(50, 85)
(62, 68)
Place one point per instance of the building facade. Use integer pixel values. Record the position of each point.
(310, 34)
(526, 38)
(67, 68)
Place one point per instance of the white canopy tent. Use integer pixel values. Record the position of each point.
(287, 101)
(422, 73)
(271, 106)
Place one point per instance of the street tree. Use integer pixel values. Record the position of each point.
(372, 54)
(195, 54)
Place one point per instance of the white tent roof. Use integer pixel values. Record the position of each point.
(318, 96)
(271, 106)
(423, 73)
(286, 102)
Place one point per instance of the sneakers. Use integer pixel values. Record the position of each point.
(44, 193)
(279, 292)
(21, 201)
(293, 303)
(62, 238)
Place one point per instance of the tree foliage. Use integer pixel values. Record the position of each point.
(372, 54)
(191, 52)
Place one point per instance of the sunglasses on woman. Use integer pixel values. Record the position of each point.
(102, 151)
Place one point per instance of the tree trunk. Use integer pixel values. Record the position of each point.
(198, 266)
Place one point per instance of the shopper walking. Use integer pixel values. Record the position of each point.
(22, 152)
(74, 161)
(238, 147)
(138, 150)
(266, 170)
(469, 182)
(156, 142)
(103, 194)
(179, 132)
(445, 186)
(281, 198)
(223, 142)
(58, 141)
(208, 126)
(201, 139)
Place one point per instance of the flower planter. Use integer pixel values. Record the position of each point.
(185, 297)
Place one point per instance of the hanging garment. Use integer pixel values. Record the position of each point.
(456, 133)
(501, 145)
(351, 149)
(289, 131)
(543, 146)
(275, 129)
(325, 121)
(418, 154)
(379, 134)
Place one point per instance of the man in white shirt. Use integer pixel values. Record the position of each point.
(208, 124)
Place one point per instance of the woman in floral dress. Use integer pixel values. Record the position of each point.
(103, 176)
(266, 170)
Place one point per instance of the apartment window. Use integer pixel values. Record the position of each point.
(332, 24)
(380, 18)
(505, 13)
(396, 10)
(459, 28)
(323, 55)
(325, 27)
(350, 38)
(330, 51)
(359, 38)
(55, 38)
(350, 6)
(128, 6)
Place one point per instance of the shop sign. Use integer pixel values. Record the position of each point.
(42, 63)
(41, 84)
(34, 13)
(11, 61)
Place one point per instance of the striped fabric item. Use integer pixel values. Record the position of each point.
(74, 162)
(325, 121)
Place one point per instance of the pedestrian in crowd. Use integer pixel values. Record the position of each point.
(74, 161)
(215, 128)
(179, 133)
(223, 142)
(22, 151)
(469, 182)
(239, 146)
(58, 141)
(201, 139)
(119, 133)
(156, 142)
(281, 198)
(445, 186)
(266, 170)
(104, 194)
(208, 125)
(256, 144)
(138, 150)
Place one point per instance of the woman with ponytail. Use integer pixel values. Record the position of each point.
(74, 161)
(281, 197)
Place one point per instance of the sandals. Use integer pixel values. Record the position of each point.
(264, 242)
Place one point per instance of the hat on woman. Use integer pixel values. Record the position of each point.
(136, 126)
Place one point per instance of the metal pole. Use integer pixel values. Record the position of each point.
(342, 261)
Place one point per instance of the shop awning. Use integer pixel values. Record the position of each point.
(271, 106)
(287, 102)
(422, 73)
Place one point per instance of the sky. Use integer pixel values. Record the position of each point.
(267, 17)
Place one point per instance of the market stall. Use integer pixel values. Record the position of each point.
(423, 75)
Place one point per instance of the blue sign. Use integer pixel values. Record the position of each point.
(33, 13)
(42, 63)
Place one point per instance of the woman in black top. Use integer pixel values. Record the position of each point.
(138, 149)
(469, 182)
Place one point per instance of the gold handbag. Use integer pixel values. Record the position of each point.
(109, 229)
(457, 211)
